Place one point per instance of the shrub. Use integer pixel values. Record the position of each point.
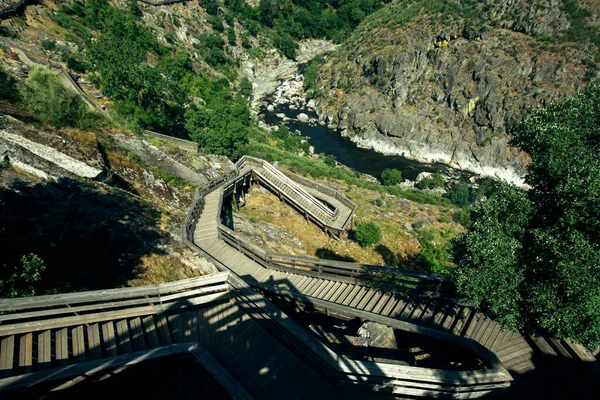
(45, 96)
(462, 195)
(432, 182)
(8, 88)
(391, 177)
(330, 160)
(368, 234)
(463, 217)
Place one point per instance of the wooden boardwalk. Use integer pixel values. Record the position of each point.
(438, 313)
(327, 208)
(242, 355)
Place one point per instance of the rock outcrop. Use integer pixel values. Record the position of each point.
(450, 85)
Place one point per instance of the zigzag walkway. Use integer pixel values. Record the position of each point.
(327, 208)
(428, 311)
(82, 334)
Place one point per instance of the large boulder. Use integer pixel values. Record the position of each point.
(303, 118)
(377, 335)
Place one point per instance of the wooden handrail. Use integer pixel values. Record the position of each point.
(53, 300)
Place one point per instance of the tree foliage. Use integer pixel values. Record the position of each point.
(534, 257)
(8, 87)
(461, 194)
(44, 95)
(391, 177)
(368, 234)
(21, 282)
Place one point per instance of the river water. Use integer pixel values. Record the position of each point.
(366, 161)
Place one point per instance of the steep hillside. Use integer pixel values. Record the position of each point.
(442, 80)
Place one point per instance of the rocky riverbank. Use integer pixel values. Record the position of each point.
(268, 72)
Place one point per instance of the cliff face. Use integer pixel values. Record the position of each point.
(448, 81)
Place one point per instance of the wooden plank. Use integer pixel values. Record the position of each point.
(90, 367)
(498, 339)
(332, 290)
(300, 282)
(150, 332)
(405, 312)
(324, 289)
(510, 343)
(560, 349)
(351, 296)
(176, 328)
(381, 304)
(373, 301)
(305, 284)
(7, 353)
(481, 328)
(474, 324)
(137, 334)
(188, 321)
(123, 339)
(318, 288)
(518, 347)
(314, 283)
(461, 321)
(23, 303)
(94, 346)
(109, 344)
(391, 304)
(365, 299)
(428, 314)
(164, 334)
(343, 292)
(359, 296)
(451, 314)
(488, 339)
(25, 353)
(220, 374)
(44, 354)
(78, 344)
(61, 338)
(517, 357)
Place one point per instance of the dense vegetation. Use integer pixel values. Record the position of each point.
(152, 85)
(292, 20)
(532, 257)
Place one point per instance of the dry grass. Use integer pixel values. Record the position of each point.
(154, 269)
(394, 216)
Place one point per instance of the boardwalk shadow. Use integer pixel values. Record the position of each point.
(87, 238)
(326, 254)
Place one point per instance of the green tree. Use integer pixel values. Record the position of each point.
(368, 234)
(246, 87)
(8, 88)
(461, 194)
(391, 177)
(44, 95)
(330, 160)
(21, 282)
(532, 257)
(432, 182)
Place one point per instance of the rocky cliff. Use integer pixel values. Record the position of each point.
(448, 81)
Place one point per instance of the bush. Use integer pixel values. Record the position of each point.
(45, 96)
(8, 88)
(330, 160)
(391, 177)
(462, 195)
(463, 217)
(432, 182)
(368, 234)
(23, 278)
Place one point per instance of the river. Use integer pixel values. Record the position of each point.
(366, 161)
